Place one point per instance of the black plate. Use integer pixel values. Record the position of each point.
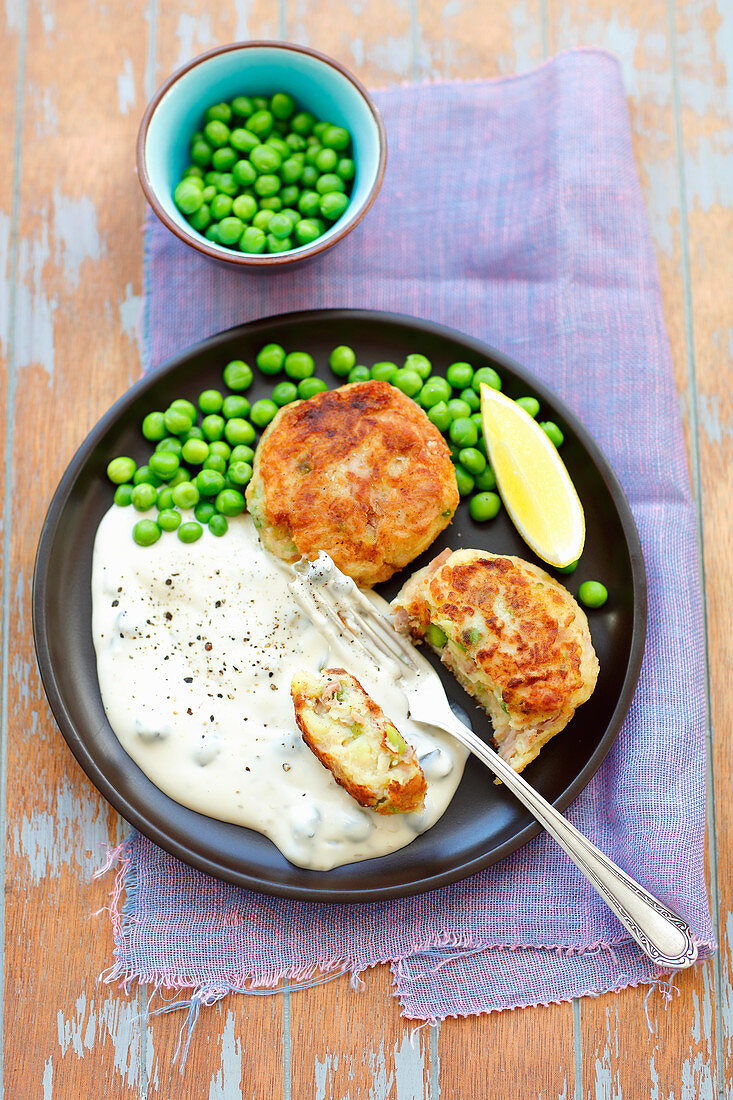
(484, 823)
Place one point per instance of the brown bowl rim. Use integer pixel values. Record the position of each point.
(243, 259)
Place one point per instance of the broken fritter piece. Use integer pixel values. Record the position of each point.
(353, 738)
(513, 637)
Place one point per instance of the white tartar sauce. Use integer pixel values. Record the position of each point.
(196, 646)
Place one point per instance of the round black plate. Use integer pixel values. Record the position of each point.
(484, 823)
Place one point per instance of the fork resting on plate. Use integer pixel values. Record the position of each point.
(332, 600)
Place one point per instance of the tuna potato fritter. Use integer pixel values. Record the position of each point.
(359, 472)
(351, 737)
(514, 638)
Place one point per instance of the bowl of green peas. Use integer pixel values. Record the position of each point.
(261, 154)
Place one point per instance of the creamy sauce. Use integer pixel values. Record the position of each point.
(196, 646)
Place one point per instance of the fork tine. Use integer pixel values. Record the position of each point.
(313, 598)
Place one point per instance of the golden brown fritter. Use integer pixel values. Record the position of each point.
(513, 637)
(359, 472)
(351, 736)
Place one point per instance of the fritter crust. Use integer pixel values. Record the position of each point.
(516, 640)
(359, 472)
(352, 737)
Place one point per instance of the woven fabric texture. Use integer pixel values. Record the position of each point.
(511, 210)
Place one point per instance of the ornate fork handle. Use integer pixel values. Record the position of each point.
(661, 933)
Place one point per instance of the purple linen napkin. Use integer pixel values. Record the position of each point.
(511, 210)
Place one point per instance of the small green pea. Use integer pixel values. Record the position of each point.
(440, 416)
(484, 506)
(230, 230)
(359, 373)
(299, 364)
(262, 413)
(307, 230)
(170, 443)
(242, 106)
(215, 462)
(235, 405)
(273, 202)
(238, 430)
(201, 153)
(143, 497)
(463, 432)
(291, 170)
(223, 160)
(436, 636)
(260, 123)
(472, 460)
(271, 359)
(303, 123)
(592, 594)
(342, 359)
(346, 168)
(190, 532)
(145, 476)
(194, 432)
(165, 498)
(384, 372)
(177, 421)
(309, 387)
(553, 433)
(333, 204)
(486, 480)
(154, 427)
(186, 495)
(242, 453)
(169, 519)
(295, 142)
(530, 405)
(219, 447)
(146, 532)
(208, 483)
(178, 478)
(217, 133)
(471, 398)
(239, 473)
(434, 391)
(284, 393)
(228, 185)
(280, 225)
(244, 207)
(212, 234)
(309, 203)
(289, 196)
(164, 464)
(267, 185)
(238, 375)
(278, 244)
(213, 427)
(123, 495)
(265, 159)
(244, 141)
(464, 481)
(420, 364)
(204, 510)
(220, 111)
(409, 381)
(244, 173)
(195, 451)
(326, 160)
(194, 170)
(210, 401)
(188, 197)
(569, 568)
(487, 375)
(336, 137)
(201, 219)
(230, 502)
(218, 525)
(262, 219)
(309, 179)
(121, 470)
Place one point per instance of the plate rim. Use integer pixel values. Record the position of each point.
(136, 816)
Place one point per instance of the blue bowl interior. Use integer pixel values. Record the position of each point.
(258, 70)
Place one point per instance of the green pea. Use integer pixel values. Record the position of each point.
(333, 204)
(213, 427)
(346, 168)
(267, 185)
(471, 398)
(230, 230)
(303, 123)
(239, 472)
(384, 372)
(553, 433)
(145, 476)
(201, 219)
(242, 453)
(319, 128)
(309, 203)
(592, 594)
(486, 480)
(290, 196)
(262, 413)
(420, 364)
(409, 381)
(146, 532)
(220, 207)
(223, 160)
(244, 173)
(569, 568)
(220, 111)
(434, 391)
(330, 182)
(215, 462)
(204, 510)
(208, 483)
(436, 636)
(194, 432)
(280, 225)
(194, 171)
(244, 141)
(326, 160)
(219, 447)
(271, 359)
(242, 106)
(291, 170)
(465, 481)
(228, 185)
(311, 154)
(187, 197)
(295, 142)
(282, 105)
(212, 234)
(230, 502)
(440, 416)
(217, 133)
(260, 123)
(530, 405)
(178, 478)
(211, 179)
(307, 230)
(235, 405)
(143, 497)
(184, 406)
(278, 244)
(238, 430)
(195, 451)
(190, 532)
(201, 153)
(262, 218)
(170, 443)
(164, 464)
(336, 137)
(274, 203)
(218, 525)
(299, 364)
(123, 495)
(484, 506)
(472, 460)
(292, 215)
(265, 158)
(210, 401)
(487, 375)
(186, 495)
(309, 387)
(309, 179)
(244, 207)
(458, 408)
(463, 432)
(342, 359)
(238, 375)
(359, 373)
(169, 519)
(165, 498)
(121, 470)
(284, 393)
(154, 426)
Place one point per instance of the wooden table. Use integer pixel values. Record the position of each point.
(74, 79)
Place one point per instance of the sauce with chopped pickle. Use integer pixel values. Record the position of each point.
(196, 647)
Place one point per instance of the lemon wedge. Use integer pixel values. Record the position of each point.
(534, 483)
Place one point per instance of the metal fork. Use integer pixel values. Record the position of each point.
(332, 600)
